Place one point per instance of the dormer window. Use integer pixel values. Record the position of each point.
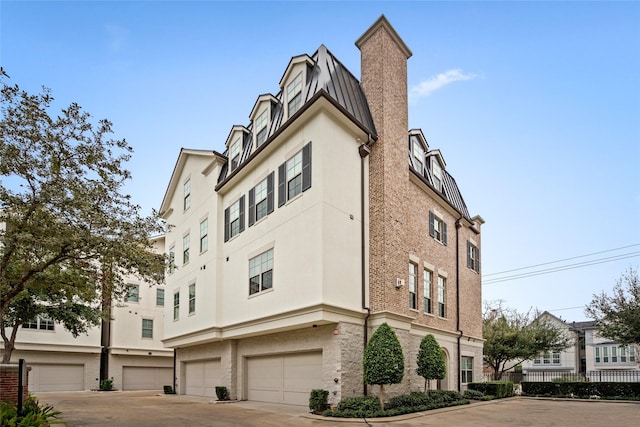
(418, 157)
(261, 128)
(436, 172)
(294, 95)
(234, 154)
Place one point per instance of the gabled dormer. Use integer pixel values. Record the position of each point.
(236, 142)
(293, 83)
(418, 148)
(436, 165)
(261, 118)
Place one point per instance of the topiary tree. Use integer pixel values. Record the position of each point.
(431, 364)
(383, 360)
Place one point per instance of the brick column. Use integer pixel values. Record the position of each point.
(9, 376)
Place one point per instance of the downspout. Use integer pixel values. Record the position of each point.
(460, 333)
(175, 351)
(364, 151)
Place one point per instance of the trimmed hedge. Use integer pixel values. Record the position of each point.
(318, 400)
(499, 389)
(605, 390)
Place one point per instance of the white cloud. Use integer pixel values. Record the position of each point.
(427, 87)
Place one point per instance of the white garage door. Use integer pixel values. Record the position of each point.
(202, 377)
(56, 377)
(146, 378)
(286, 378)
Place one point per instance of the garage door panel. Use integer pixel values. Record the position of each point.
(202, 377)
(146, 377)
(56, 377)
(286, 378)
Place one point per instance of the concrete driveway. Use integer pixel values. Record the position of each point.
(146, 409)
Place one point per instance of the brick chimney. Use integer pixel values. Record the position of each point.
(383, 57)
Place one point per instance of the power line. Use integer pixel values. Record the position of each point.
(560, 260)
(561, 268)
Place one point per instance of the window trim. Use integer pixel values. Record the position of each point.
(186, 188)
(437, 174)
(228, 224)
(254, 204)
(263, 118)
(159, 301)
(284, 180)
(442, 296)
(426, 289)
(294, 93)
(204, 238)
(413, 292)
(439, 234)
(147, 329)
(192, 299)
(466, 370)
(473, 257)
(176, 305)
(186, 246)
(236, 145)
(259, 268)
(130, 295)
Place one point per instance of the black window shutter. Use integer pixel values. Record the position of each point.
(444, 233)
(270, 193)
(252, 207)
(226, 224)
(478, 260)
(306, 167)
(241, 214)
(469, 254)
(431, 230)
(282, 185)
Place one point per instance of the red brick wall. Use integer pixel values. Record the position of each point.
(9, 384)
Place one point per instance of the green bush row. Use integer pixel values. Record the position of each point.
(582, 389)
(499, 389)
(369, 406)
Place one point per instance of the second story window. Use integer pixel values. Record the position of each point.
(426, 284)
(42, 323)
(172, 259)
(133, 293)
(294, 95)
(234, 154)
(192, 298)
(473, 257)
(261, 128)
(413, 296)
(294, 176)
(261, 200)
(261, 272)
(160, 297)
(187, 194)
(185, 249)
(147, 328)
(204, 235)
(234, 219)
(442, 283)
(437, 228)
(176, 305)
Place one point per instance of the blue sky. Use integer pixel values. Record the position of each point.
(534, 105)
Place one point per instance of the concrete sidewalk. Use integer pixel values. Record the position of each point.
(147, 409)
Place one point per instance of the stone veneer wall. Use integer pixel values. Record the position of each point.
(9, 376)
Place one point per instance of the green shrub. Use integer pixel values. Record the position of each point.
(581, 389)
(359, 403)
(368, 407)
(222, 393)
(499, 389)
(33, 414)
(445, 396)
(106, 384)
(318, 401)
(408, 400)
(474, 394)
(168, 389)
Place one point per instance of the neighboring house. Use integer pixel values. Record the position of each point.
(127, 348)
(324, 217)
(588, 355)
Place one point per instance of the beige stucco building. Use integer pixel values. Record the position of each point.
(127, 348)
(324, 217)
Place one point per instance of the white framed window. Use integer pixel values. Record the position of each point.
(614, 354)
(294, 175)
(234, 154)
(294, 95)
(597, 351)
(442, 284)
(186, 242)
(176, 305)
(41, 322)
(436, 173)
(261, 128)
(552, 358)
(204, 235)
(172, 259)
(466, 369)
(160, 297)
(473, 257)
(192, 298)
(427, 277)
(437, 228)
(147, 328)
(133, 293)
(187, 194)
(261, 272)
(413, 296)
(261, 200)
(234, 219)
(418, 157)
